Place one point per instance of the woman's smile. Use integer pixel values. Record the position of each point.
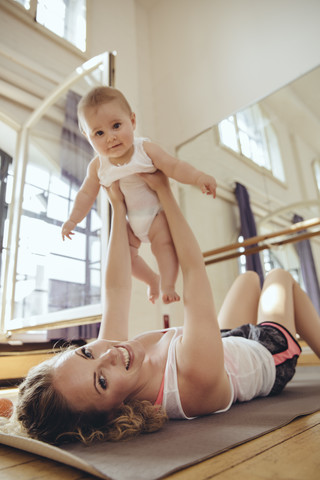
(102, 374)
(127, 357)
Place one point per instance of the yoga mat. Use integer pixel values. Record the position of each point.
(182, 443)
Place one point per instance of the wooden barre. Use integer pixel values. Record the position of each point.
(256, 249)
(297, 227)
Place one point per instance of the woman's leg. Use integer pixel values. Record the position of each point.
(283, 301)
(306, 318)
(240, 305)
(276, 300)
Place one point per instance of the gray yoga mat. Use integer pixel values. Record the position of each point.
(183, 443)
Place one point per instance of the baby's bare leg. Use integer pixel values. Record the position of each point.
(141, 270)
(164, 251)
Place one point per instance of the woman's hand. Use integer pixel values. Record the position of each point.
(114, 193)
(156, 181)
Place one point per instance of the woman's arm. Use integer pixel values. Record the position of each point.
(200, 354)
(84, 199)
(179, 170)
(115, 316)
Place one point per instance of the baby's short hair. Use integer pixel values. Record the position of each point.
(100, 95)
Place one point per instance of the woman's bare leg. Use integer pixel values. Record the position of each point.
(141, 270)
(240, 305)
(276, 300)
(163, 249)
(306, 318)
(283, 301)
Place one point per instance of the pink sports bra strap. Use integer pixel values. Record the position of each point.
(160, 394)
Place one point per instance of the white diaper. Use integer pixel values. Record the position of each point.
(140, 221)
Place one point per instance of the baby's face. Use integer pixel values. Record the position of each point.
(110, 130)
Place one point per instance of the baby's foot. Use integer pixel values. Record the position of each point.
(154, 289)
(170, 296)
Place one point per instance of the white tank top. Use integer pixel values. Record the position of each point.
(137, 193)
(250, 367)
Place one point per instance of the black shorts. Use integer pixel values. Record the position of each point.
(280, 343)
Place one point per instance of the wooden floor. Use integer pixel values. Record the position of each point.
(289, 453)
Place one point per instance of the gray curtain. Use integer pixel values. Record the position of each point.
(75, 155)
(248, 228)
(308, 269)
(5, 161)
(76, 152)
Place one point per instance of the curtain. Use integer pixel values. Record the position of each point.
(76, 152)
(75, 155)
(308, 269)
(248, 228)
(5, 161)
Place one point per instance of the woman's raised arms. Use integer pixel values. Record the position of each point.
(200, 353)
(114, 324)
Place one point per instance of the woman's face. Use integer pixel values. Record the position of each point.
(100, 375)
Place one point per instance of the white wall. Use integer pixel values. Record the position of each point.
(212, 57)
(112, 27)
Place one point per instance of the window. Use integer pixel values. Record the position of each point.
(251, 134)
(316, 171)
(65, 18)
(268, 259)
(44, 280)
(48, 278)
(242, 258)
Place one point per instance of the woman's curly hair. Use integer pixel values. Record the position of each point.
(46, 415)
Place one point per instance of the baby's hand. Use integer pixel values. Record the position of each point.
(67, 228)
(208, 184)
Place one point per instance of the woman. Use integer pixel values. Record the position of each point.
(112, 389)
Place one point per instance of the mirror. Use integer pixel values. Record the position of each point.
(272, 148)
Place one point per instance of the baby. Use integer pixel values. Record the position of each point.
(107, 121)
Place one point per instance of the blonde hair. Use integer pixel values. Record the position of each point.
(46, 415)
(98, 96)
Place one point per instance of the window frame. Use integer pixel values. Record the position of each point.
(29, 17)
(9, 324)
(249, 161)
